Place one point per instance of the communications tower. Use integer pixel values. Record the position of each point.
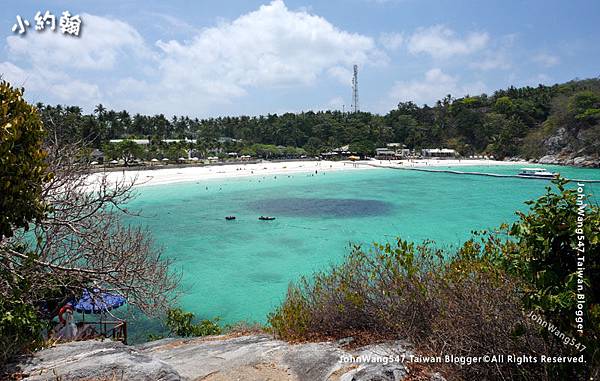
(355, 89)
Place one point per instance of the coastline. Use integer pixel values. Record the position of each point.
(166, 175)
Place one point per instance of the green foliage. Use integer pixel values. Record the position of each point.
(22, 166)
(127, 150)
(471, 301)
(443, 302)
(509, 122)
(22, 321)
(504, 105)
(585, 105)
(547, 244)
(20, 327)
(363, 147)
(180, 323)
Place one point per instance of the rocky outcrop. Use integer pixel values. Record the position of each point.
(564, 147)
(255, 357)
(577, 161)
(563, 159)
(95, 360)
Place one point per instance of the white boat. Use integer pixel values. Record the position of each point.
(536, 173)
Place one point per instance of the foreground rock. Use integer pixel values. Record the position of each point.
(256, 357)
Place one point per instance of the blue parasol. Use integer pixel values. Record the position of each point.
(98, 302)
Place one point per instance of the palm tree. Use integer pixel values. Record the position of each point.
(100, 109)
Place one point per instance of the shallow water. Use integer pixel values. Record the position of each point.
(240, 270)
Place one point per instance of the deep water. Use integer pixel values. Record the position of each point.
(240, 270)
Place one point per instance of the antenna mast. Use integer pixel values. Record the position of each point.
(355, 89)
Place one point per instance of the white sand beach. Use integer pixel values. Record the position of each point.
(442, 163)
(166, 175)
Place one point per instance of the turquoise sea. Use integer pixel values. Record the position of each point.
(240, 270)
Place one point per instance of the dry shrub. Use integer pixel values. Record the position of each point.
(459, 304)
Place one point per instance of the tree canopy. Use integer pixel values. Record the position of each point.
(509, 122)
(22, 166)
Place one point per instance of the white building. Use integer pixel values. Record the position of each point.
(439, 153)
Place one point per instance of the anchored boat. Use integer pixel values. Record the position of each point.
(536, 173)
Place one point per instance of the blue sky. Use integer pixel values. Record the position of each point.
(211, 58)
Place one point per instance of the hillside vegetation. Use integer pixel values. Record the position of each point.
(529, 122)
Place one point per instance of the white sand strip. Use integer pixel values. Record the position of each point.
(166, 175)
(445, 163)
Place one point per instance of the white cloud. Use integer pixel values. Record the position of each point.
(435, 85)
(46, 81)
(101, 41)
(53, 66)
(498, 56)
(272, 46)
(546, 60)
(391, 41)
(335, 103)
(492, 61)
(342, 74)
(442, 42)
(13, 74)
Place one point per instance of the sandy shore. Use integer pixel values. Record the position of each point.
(443, 163)
(174, 175)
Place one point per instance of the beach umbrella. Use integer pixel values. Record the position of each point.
(182, 159)
(165, 159)
(98, 302)
(114, 162)
(94, 163)
(194, 159)
(154, 160)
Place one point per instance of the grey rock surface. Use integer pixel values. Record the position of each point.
(95, 360)
(215, 358)
(548, 159)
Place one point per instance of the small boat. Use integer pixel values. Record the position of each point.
(229, 218)
(266, 218)
(536, 173)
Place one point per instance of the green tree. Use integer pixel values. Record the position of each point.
(363, 147)
(560, 231)
(127, 150)
(180, 323)
(22, 166)
(585, 105)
